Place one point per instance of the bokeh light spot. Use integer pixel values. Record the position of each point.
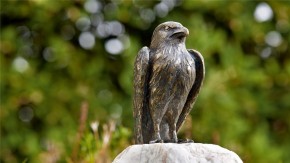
(25, 114)
(147, 15)
(161, 9)
(83, 23)
(265, 53)
(273, 38)
(87, 40)
(116, 28)
(20, 64)
(96, 19)
(169, 3)
(93, 6)
(101, 30)
(263, 12)
(113, 28)
(114, 46)
(48, 54)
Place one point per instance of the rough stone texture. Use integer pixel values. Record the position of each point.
(177, 153)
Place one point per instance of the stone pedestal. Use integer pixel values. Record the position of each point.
(177, 153)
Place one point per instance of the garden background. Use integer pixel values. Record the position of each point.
(67, 71)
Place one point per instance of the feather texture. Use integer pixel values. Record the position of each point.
(167, 80)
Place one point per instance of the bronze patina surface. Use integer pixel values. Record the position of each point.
(167, 80)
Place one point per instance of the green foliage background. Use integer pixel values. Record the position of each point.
(46, 76)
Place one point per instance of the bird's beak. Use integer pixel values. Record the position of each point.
(180, 33)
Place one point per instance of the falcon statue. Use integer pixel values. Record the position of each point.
(167, 80)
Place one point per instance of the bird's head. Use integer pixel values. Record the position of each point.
(168, 33)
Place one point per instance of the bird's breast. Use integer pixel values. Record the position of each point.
(173, 62)
(172, 69)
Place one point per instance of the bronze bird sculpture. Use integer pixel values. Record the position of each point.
(167, 80)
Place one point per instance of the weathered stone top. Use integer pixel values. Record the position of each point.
(177, 153)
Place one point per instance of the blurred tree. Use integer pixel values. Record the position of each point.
(56, 54)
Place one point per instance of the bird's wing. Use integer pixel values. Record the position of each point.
(140, 91)
(200, 72)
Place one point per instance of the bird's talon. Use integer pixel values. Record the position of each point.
(185, 141)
